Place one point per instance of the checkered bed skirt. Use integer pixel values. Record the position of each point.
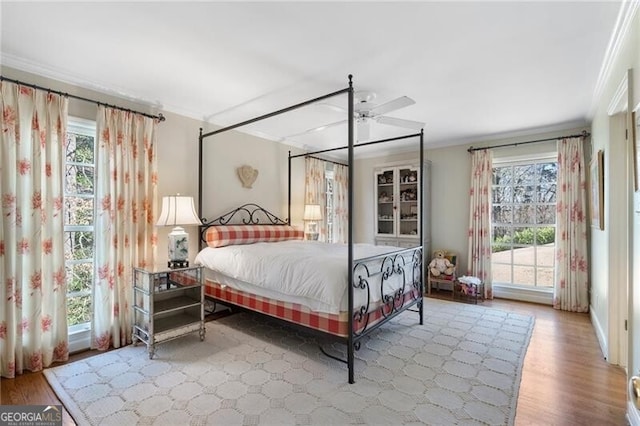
(335, 324)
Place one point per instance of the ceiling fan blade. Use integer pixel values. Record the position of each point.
(363, 129)
(401, 102)
(317, 129)
(400, 122)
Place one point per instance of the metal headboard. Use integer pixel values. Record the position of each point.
(247, 214)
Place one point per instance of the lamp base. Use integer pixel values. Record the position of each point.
(174, 264)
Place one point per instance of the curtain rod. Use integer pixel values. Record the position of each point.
(584, 134)
(158, 117)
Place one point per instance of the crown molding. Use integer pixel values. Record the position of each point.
(619, 100)
(65, 77)
(626, 14)
(511, 136)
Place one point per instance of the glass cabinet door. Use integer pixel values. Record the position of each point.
(385, 209)
(409, 201)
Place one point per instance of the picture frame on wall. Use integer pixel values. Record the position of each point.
(596, 198)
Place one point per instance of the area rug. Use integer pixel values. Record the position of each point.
(463, 366)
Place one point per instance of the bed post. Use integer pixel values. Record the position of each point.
(200, 175)
(289, 182)
(350, 343)
(421, 303)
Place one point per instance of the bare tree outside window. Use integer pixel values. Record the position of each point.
(523, 223)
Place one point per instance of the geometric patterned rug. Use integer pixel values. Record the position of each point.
(463, 366)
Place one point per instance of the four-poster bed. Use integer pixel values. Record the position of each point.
(344, 299)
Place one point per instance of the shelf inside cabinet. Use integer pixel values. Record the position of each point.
(175, 303)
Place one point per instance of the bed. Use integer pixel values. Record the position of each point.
(255, 260)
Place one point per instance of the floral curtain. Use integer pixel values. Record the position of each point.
(33, 314)
(479, 256)
(571, 289)
(315, 190)
(126, 197)
(340, 203)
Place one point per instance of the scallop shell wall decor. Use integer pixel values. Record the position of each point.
(247, 175)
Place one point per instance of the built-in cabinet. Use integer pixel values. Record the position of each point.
(397, 205)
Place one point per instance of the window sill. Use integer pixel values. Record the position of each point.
(79, 337)
(533, 295)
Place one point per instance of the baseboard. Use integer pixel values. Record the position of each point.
(600, 335)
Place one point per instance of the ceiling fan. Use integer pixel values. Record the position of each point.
(365, 110)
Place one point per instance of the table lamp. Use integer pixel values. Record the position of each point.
(312, 214)
(178, 211)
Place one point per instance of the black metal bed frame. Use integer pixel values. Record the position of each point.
(359, 274)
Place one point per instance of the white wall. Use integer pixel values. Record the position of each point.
(223, 190)
(610, 286)
(605, 243)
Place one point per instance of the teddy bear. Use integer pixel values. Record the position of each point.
(440, 264)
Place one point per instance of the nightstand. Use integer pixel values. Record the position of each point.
(168, 303)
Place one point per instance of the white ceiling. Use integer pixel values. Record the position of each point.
(476, 70)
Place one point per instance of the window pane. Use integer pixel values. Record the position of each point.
(501, 214)
(524, 256)
(524, 214)
(524, 174)
(78, 310)
(545, 277)
(502, 175)
(524, 236)
(501, 273)
(79, 148)
(546, 255)
(79, 277)
(78, 245)
(79, 179)
(546, 215)
(524, 194)
(546, 235)
(547, 193)
(524, 275)
(547, 172)
(78, 211)
(502, 194)
(501, 234)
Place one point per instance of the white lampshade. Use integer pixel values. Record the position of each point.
(178, 210)
(312, 212)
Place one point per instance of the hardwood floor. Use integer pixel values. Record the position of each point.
(565, 379)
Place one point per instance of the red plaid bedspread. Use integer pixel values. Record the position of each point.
(336, 324)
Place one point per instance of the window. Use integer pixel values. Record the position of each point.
(79, 204)
(523, 222)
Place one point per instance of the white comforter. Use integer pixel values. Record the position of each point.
(307, 269)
